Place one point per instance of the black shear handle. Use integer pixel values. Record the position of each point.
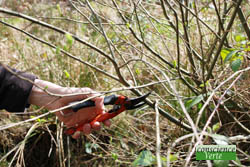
(108, 100)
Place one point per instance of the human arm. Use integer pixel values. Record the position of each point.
(17, 92)
(14, 91)
(40, 98)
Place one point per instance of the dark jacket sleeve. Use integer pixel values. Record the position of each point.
(14, 92)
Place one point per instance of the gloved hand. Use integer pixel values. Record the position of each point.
(42, 99)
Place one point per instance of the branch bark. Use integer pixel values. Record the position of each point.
(244, 22)
(230, 24)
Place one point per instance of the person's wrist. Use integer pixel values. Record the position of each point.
(80, 92)
(44, 94)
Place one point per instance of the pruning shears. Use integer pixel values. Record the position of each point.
(120, 103)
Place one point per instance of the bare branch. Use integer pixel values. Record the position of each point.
(63, 51)
(158, 138)
(223, 40)
(6, 11)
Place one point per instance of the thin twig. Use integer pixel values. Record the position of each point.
(144, 44)
(34, 20)
(61, 50)
(223, 40)
(243, 22)
(178, 49)
(158, 137)
(186, 37)
(215, 90)
(76, 21)
(205, 24)
(102, 29)
(236, 120)
(68, 150)
(199, 141)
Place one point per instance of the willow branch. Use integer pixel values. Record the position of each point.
(230, 24)
(214, 91)
(244, 22)
(205, 24)
(59, 30)
(178, 49)
(61, 50)
(158, 137)
(186, 37)
(199, 141)
(144, 44)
